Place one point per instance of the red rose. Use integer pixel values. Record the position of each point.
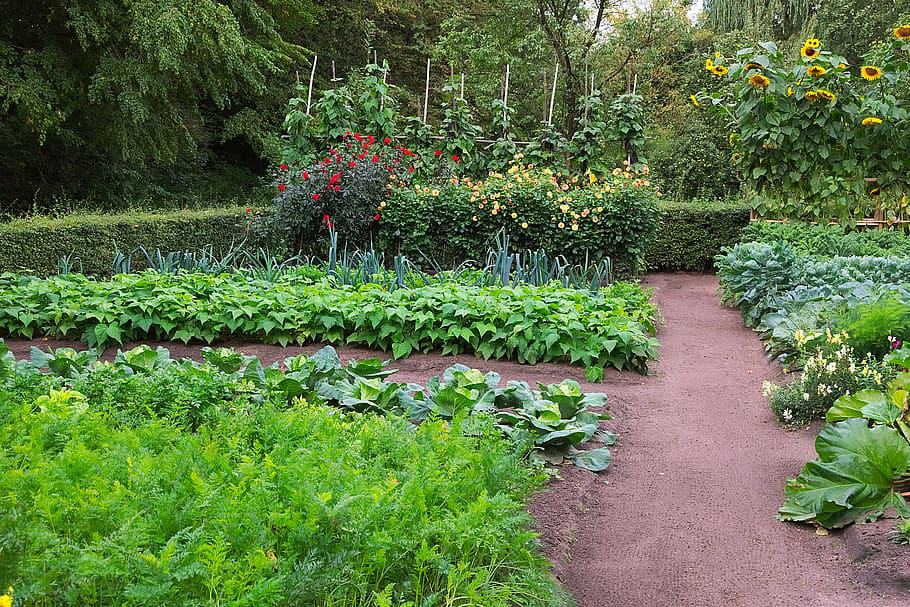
(283, 167)
(282, 187)
(248, 210)
(376, 217)
(306, 175)
(361, 155)
(357, 136)
(437, 153)
(411, 169)
(325, 218)
(316, 197)
(352, 164)
(375, 159)
(455, 158)
(387, 141)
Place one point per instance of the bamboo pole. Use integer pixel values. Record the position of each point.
(426, 95)
(309, 95)
(553, 95)
(505, 96)
(462, 86)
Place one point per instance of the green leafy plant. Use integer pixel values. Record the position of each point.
(863, 465)
(530, 324)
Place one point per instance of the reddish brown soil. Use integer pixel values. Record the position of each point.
(685, 516)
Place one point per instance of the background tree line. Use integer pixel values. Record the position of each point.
(181, 102)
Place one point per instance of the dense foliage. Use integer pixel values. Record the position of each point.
(147, 479)
(817, 138)
(584, 217)
(835, 317)
(863, 465)
(691, 234)
(525, 323)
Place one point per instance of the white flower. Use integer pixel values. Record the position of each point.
(805, 396)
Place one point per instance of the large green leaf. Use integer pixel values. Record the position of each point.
(852, 481)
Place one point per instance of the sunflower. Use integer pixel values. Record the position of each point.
(870, 120)
(826, 95)
(810, 96)
(870, 72)
(709, 64)
(694, 100)
(752, 66)
(809, 52)
(816, 70)
(789, 91)
(902, 32)
(759, 81)
(812, 43)
(720, 70)
(875, 191)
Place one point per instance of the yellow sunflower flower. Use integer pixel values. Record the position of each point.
(709, 64)
(813, 43)
(759, 81)
(902, 32)
(809, 52)
(789, 91)
(870, 72)
(871, 120)
(752, 66)
(720, 70)
(816, 71)
(694, 101)
(826, 95)
(811, 96)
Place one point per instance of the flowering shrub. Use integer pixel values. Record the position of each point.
(818, 138)
(582, 217)
(832, 370)
(343, 191)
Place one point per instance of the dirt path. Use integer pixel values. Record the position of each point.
(685, 516)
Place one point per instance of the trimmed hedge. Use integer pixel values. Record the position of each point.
(690, 234)
(688, 237)
(36, 244)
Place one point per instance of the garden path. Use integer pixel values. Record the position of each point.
(685, 516)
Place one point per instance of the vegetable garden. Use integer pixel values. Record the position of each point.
(178, 420)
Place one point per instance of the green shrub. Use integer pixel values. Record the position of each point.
(694, 161)
(37, 244)
(833, 369)
(691, 234)
(581, 217)
(525, 323)
(261, 500)
(830, 240)
(876, 326)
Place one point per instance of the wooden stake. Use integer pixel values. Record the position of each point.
(309, 95)
(505, 96)
(553, 94)
(462, 86)
(426, 94)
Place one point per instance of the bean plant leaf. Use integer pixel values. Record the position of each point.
(852, 481)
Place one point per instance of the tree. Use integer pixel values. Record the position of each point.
(94, 88)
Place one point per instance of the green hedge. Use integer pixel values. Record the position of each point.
(688, 237)
(36, 244)
(691, 234)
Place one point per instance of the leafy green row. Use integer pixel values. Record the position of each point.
(780, 292)
(151, 481)
(525, 323)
